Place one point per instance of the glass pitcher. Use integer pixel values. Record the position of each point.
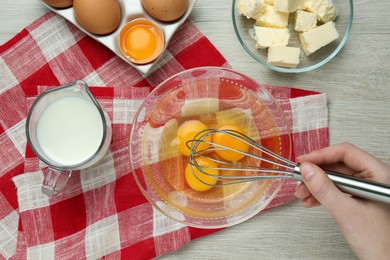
(68, 130)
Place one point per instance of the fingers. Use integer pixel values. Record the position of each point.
(310, 202)
(304, 194)
(348, 159)
(302, 191)
(322, 190)
(343, 152)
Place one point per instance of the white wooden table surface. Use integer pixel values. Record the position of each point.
(357, 83)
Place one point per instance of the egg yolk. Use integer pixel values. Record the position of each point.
(206, 182)
(230, 142)
(186, 132)
(141, 41)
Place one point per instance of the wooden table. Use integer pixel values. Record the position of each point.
(357, 83)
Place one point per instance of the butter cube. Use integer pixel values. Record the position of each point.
(318, 37)
(266, 37)
(289, 6)
(304, 21)
(270, 17)
(323, 8)
(283, 56)
(250, 8)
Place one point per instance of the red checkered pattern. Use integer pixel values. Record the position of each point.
(102, 213)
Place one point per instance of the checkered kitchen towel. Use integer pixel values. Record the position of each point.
(101, 213)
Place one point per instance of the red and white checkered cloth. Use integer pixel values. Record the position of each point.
(102, 213)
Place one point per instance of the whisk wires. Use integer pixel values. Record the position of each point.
(281, 167)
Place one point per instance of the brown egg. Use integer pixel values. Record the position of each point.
(165, 10)
(59, 3)
(98, 16)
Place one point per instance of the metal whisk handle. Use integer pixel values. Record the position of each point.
(361, 188)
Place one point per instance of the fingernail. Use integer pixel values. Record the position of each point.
(307, 171)
(297, 191)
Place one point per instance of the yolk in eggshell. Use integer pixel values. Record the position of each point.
(141, 41)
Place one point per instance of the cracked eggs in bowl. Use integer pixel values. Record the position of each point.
(173, 113)
(292, 36)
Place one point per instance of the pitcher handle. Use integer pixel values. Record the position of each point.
(55, 181)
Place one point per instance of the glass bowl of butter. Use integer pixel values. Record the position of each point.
(292, 36)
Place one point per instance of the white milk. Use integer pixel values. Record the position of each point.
(70, 130)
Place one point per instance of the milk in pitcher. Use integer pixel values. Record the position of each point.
(70, 130)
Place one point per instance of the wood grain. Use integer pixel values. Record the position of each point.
(357, 83)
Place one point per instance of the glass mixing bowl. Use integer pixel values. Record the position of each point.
(244, 30)
(214, 96)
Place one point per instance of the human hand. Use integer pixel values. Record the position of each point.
(364, 224)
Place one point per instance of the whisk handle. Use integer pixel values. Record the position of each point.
(361, 188)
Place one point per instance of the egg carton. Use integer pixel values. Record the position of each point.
(130, 10)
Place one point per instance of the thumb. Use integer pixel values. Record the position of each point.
(323, 189)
